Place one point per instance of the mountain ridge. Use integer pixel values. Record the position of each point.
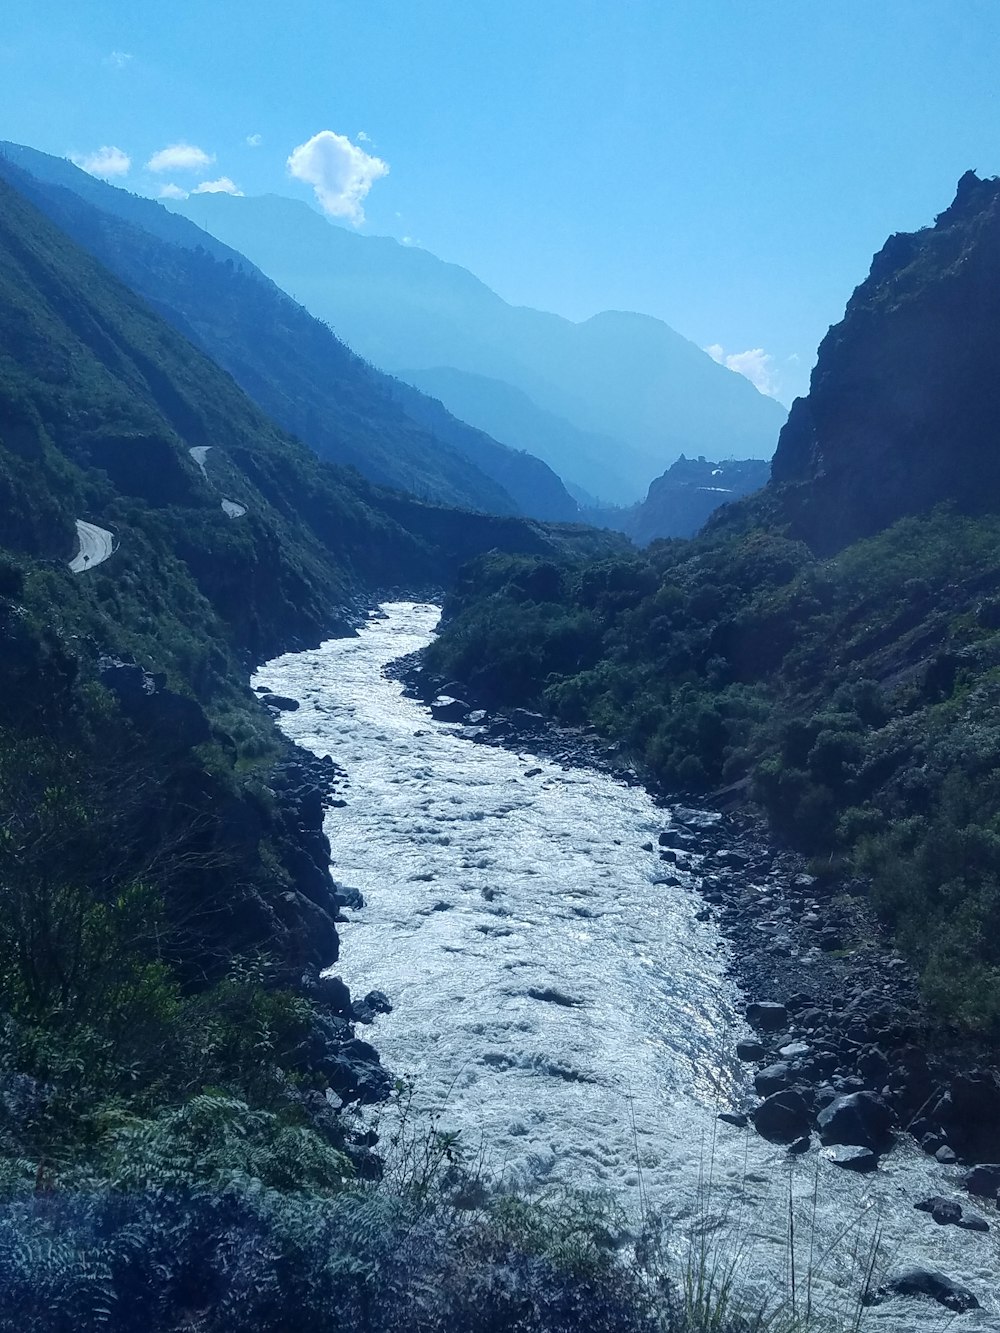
(289, 362)
(403, 308)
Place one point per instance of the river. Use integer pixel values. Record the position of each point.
(564, 1009)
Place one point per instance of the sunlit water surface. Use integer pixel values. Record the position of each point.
(561, 1005)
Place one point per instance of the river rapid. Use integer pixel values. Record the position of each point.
(560, 1005)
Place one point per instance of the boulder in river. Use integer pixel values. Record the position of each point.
(984, 1180)
(446, 709)
(859, 1118)
(750, 1050)
(943, 1211)
(773, 1078)
(280, 701)
(767, 1015)
(332, 993)
(926, 1282)
(782, 1117)
(851, 1156)
(735, 1118)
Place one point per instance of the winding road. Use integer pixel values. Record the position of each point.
(96, 544)
(199, 453)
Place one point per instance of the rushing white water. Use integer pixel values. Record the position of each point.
(559, 1004)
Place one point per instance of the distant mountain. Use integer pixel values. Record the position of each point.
(288, 361)
(627, 377)
(904, 400)
(679, 502)
(583, 458)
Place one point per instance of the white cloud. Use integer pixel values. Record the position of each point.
(755, 364)
(254, 140)
(362, 137)
(221, 186)
(105, 162)
(172, 192)
(117, 59)
(407, 240)
(340, 173)
(180, 157)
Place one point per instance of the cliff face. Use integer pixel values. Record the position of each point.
(904, 403)
(679, 503)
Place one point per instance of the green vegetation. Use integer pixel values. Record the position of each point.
(858, 693)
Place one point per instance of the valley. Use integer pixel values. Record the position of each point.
(499, 818)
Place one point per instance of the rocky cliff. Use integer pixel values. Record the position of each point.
(904, 402)
(680, 501)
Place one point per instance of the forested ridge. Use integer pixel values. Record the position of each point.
(290, 364)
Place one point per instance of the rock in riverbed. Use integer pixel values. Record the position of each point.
(447, 709)
(857, 1118)
(782, 1117)
(767, 1015)
(852, 1157)
(926, 1282)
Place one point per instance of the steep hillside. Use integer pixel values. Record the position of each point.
(228, 540)
(626, 376)
(534, 486)
(905, 397)
(287, 361)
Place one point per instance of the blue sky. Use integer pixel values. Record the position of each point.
(727, 165)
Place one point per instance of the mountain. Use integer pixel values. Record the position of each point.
(905, 396)
(534, 486)
(103, 403)
(289, 362)
(680, 502)
(584, 457)
(625, 376)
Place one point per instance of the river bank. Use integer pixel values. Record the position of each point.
(842, 1010)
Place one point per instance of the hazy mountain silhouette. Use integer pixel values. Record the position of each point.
(625, 376)
(284, 358)
(583, 458)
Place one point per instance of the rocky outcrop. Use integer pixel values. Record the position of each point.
(680, 501)
(903, 403)
(926, 1282)
(161, 714)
